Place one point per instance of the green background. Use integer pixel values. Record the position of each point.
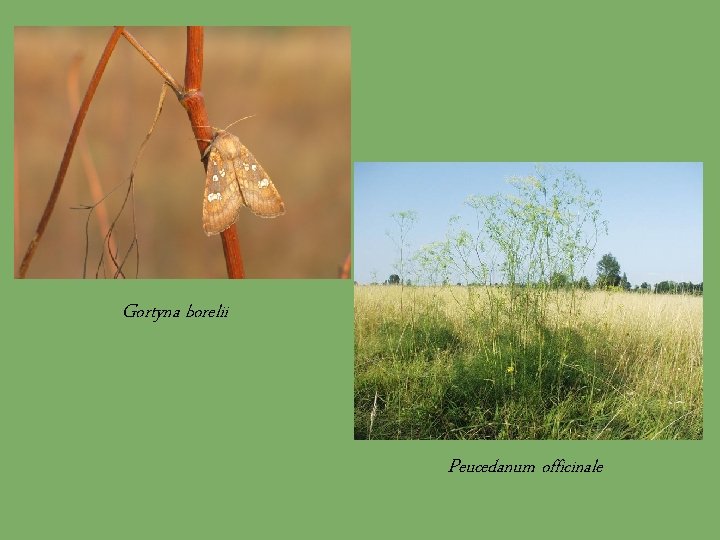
(242, 427)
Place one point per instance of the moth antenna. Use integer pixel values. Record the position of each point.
(227, 127)
(240, 120)
(211, 127)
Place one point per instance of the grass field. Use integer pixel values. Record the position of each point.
(482, 363)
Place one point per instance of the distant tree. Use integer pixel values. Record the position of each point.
(394, 279)
(608, 271)
(672, 287)
(689, 288)
(644, 286)
(624, 283)
(583, 283)
(559, 280)
(666, 287)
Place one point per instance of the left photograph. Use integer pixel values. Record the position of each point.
(185, 152)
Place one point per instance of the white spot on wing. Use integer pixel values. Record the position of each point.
(263, 183)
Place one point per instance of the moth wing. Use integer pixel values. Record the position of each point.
(222, 200)
(258, 191)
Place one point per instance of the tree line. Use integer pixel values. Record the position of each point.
(608, 278)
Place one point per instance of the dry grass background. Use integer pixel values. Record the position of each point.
(296, 81)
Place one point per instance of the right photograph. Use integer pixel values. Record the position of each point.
(505, 301)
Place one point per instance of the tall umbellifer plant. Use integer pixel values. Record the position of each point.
(190, 97)
(404, 221)
(547, 227)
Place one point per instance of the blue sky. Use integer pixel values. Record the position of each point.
(653, 210)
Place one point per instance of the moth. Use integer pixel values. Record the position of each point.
(235, 179)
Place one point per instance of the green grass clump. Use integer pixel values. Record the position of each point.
(484, 364)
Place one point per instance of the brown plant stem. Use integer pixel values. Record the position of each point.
(345, 270)
(50, 205)
(194, 102)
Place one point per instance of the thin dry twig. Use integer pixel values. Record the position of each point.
(91, 173)
(373, 413)
(154, 63)
(129, 194)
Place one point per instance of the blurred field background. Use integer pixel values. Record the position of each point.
(296, 81)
